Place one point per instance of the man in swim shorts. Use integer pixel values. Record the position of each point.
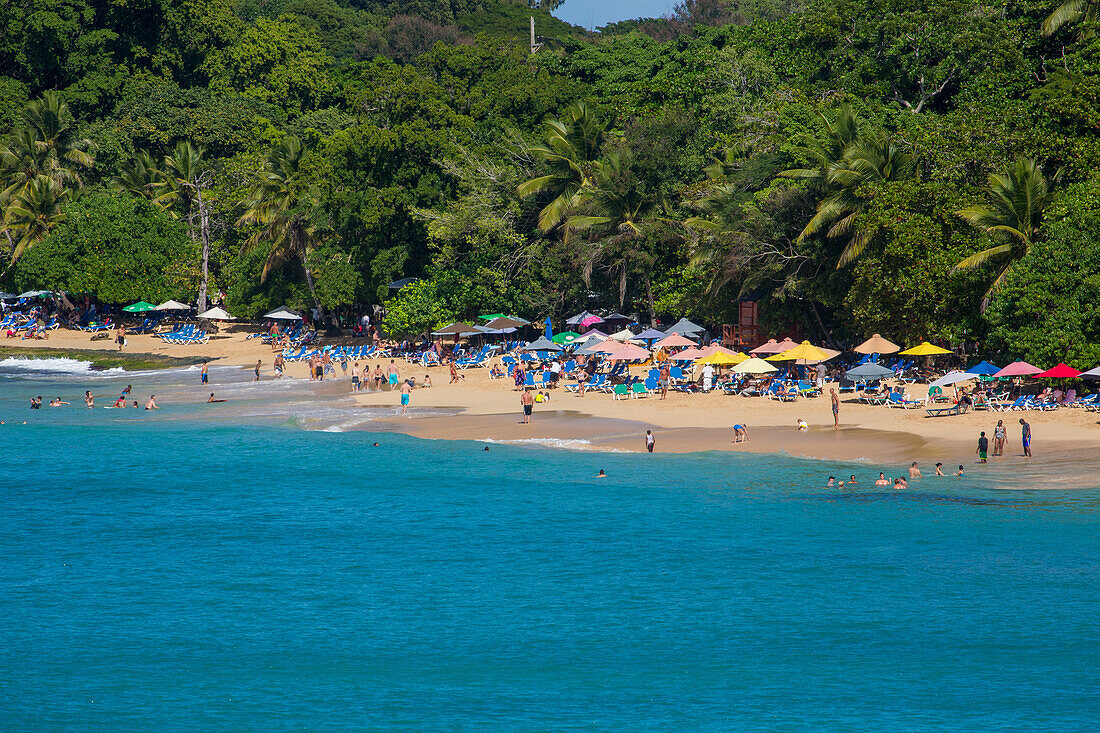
(205, 376)
(983, 448)
(835, 399)
(406, 390)
(393, 374)
(1026, 428)
(528, 402)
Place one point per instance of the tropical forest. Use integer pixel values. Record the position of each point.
(923, 170)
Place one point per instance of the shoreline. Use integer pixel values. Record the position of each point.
(477, 408)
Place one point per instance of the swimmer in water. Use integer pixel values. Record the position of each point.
(151, 404)
(832, 482)
(212, 399)
(882, 480)
(939, 469)
(58, 402)
(601, 474)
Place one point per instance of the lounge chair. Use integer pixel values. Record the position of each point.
(899, 401)
(956, 409)
(620, 392)
(638, 389)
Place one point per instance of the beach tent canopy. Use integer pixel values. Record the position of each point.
(566, 337)
(1062, 371)
(673, 341)
(503, 322)
(877, 345)
(283, 314)
(868, 371)
(720, 359)
(172, 305)
(1018, 369)
(754, 366)
(684, 327)
(140, 307)
(804, 350)
(626, 352)
(542, 344)
(625, 335)
(984, 369)
(925, 349)
(953, 378)
(650, 334)
(458, 329)
(216, 314)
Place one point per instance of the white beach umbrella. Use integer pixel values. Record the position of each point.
(216, 314)
(283, 314)
(953, 378)
(172, 305)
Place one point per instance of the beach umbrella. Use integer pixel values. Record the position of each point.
(140, 307)
(650, 334)
(953, 378)
(625, 335)
(720, 359)
(35, 294)
(172, 305)
(566, 337)
(1062, 371)
(1091, 373)
(504, 322)
(627, 352)
(868, 371)
(457, 329)
(1018, 369)
(925, 349)
(684, 327)
(804, 350)
(283, 314)
(576, 320)
(771, 346)
(216, 314)
(984, 369)
(542, 344)
(674, 341)
(754, 366)
(590, 320)
(491, 316)
(876, 345)
(549, 329)
(617, 318)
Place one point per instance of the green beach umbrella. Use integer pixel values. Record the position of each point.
(491, 316)
(140, 307)
(565, 337)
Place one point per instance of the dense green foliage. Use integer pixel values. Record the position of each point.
(927, 171)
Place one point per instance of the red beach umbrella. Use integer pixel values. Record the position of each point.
(1061, 371)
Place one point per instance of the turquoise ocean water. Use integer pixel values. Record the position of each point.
(260, 566)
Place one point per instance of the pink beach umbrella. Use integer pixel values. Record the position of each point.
(772, 347)
(1018, 369)
(627, 352)
(590, 320)
(1062, 371)
(674, 340)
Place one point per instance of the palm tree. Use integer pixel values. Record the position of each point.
(572, 147)
(32, 213)
(840, 134)
(1072, 12)
(281, 203)
(620, 215)
(185, 177)
(1020, 197)
(54, 130)
(141, 177)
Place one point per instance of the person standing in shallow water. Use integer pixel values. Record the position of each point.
(528, 402)
(835, 399)
(1026, 435)
(649, 441)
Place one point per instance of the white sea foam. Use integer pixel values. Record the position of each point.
(60, 366)
(562, 443)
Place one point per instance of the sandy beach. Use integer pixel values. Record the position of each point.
(478, 408)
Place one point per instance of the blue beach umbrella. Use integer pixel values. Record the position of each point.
(984, 369)
(549, 329)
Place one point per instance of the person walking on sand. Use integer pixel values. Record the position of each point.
(528, 402)
(999, 435)
(983, 448)
(257, 370)
(280, 364)
(394, 373)
(203, 372)
(914, 471)
(355, 377)
(649, 441)
(1026, 430)
(120, 337)
(664, 380)
(835, 398)
(406, 390)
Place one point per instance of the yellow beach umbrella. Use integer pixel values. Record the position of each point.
(720, 358)
(876, 345)
(925, 349)
(804, 350)
(754, 366)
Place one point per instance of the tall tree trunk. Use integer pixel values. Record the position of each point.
(652, 305)
(622, 285)
(825, 332)
(309, 282)
(204, 232)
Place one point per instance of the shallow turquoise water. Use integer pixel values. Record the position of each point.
(168, 572)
